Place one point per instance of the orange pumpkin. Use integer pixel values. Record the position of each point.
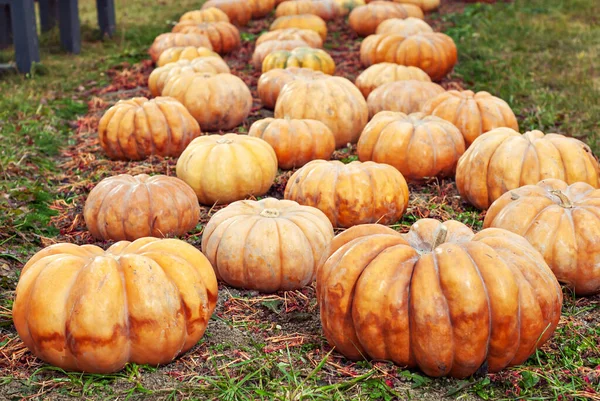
(218, 182)
(296, 142)
(84, 309)
(406, 96)
(419, 146)
(160, 76)
(350, 194)
(302, 21)
(472, 113)
(272, 82)
(334, 101)
(326, 9)
(137, 128)
(439, 298)
(224, 37)
(405, 27)
(174, 54)
(384, 73)
(238, 11)
(261, 8)
(312, 38)
(365, 19)
(562, 222)
(268, 245)
(168, 40)
(502, 160)
(306, 57)
(217, 101)
(434, 53)
(210, 14)
(125, 207)
(264, 49)
(425, 5)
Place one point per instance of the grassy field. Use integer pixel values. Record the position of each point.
(539, 55)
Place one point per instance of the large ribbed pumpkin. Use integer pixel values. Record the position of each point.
(562, 222)
(439, 298)
(264, 49)
(238, 11)
(350, 194)
(403, 26)
(502, 160)
(302, 57)
(211, 14)
(137, 128)
(384, 73)
(311, 37)
(435, 53)
(125, 207)
(224, 36)
(271, 82)
(160, 76)
(227, 168)
(174, 54)
(217, 101)
(473, 113)
(365, 19)
(296, 142)
(419, 146)
(267, 245)
(335, 101)
(84, 309)
(326, 9)
(406, 96)
(302, 21)
(168, 40)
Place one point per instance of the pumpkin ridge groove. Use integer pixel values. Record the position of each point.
(437, 270)
(487, 173)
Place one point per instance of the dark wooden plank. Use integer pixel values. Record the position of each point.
(48, 14)
(70, 33)
(106, 16)
(22, 14)
(5, 27)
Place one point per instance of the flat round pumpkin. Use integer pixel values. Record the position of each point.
(384, 73)
(406, 96)
(224, 36)
(435, 53)
(439, 298)
(272, 82)
(403, 26)
(226, 168)
(303, 57)
(312, 38)
(239, 12)
(473, 113)
(161, 75)
(125, 207)
(210, 14)
(268, 245)
(84, 309)
(562, 222)
(419, 146)
(174, 54)
(137, 128)
(168, 40)
(264, 49)
(326, 9)
(334, 101)
(217, 101)
(350, 194)
(296, 142)
(502, 160)
(365, 19)
(302, 21)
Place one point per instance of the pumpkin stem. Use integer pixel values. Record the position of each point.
(270, 213)
(564, 199)
(440, 236)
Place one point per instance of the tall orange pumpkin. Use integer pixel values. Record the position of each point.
(84, 309)
(439, 298)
